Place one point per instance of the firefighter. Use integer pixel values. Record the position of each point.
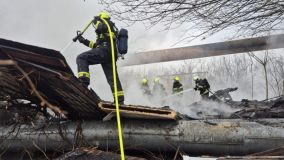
(202, 86)
(100, 53)
(145, 87)
(177, 86)
(158, 89)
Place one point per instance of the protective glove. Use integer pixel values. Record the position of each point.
(96, 18)
(84, 41)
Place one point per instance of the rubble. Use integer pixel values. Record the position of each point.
(273, 108)
(259, 109)
(46, 112)
(93, 153)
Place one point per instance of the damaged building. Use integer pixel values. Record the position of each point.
(47, 114)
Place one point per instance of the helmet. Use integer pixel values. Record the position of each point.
(144, 81)
(104, 15)
(156, 80)
(195, 78)
(177, 78)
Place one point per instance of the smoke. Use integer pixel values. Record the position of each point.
(134, 95)
(221, 72)
(187, 103)
(205, 109)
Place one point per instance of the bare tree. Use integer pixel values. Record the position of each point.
(276, 72)
(264, 64)
(252, 76)
(248, 17)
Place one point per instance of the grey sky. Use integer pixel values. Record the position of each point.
(53, 24)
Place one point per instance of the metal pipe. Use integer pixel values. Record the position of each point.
(206, 50)
(202, 137)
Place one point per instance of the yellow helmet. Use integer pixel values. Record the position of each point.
(144, 81)
(104, 15)
(195, 78)
(156, 80)
(177, 78)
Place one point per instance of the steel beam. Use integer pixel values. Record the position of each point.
(206, 50)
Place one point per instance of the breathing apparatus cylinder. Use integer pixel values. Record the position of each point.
(122, 39)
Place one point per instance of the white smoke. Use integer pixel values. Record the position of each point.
(134, 95)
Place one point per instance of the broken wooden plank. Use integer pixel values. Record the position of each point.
(136, 111)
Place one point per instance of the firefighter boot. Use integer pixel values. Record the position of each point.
(85, 81)
(120, 96)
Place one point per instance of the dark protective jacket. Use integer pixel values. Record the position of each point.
(177, 87)
(202, 85)
(102, 34)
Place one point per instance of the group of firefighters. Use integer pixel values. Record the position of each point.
(101, 53)
(201, 85)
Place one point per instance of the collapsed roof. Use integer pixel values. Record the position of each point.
(46, 79)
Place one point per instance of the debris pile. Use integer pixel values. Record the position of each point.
(92, 153)
(46, 113)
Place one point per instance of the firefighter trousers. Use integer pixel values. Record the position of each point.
(100, 55)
